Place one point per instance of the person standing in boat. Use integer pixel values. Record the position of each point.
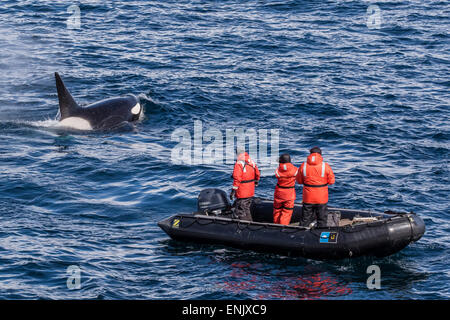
(245, 177)
(284, 197)
(315, 175)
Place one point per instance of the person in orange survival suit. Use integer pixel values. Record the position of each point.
(315, 175)
(245, 177)
(283, 200)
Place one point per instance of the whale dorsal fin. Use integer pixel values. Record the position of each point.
(67, 105)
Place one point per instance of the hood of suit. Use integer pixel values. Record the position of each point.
(283, 167)
(314, 159)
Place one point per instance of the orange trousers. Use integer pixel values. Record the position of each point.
(282, 211)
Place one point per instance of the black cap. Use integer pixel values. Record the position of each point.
(285, 158)
(316, 150)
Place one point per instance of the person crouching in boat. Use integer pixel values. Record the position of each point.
(284, 197)
(315, 175)
(245, 177)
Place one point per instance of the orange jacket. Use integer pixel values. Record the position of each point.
(245, 174)
(315, 175)
(285, 189)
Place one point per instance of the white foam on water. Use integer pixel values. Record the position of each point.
(49, 123)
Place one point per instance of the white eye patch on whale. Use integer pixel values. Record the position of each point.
(136, 111)
(105, 114)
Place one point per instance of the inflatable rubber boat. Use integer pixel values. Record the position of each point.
(349, 233)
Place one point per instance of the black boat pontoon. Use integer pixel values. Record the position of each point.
(350, 233)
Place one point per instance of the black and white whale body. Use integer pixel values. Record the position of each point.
(103, 115)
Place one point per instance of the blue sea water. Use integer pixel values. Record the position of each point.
(368, 81)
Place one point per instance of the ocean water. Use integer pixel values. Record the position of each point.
(368, 81)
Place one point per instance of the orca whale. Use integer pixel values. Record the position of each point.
(103, 115)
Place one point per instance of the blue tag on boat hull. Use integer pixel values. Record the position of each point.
(328, 237)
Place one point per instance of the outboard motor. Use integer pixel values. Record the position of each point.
(213, 202)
